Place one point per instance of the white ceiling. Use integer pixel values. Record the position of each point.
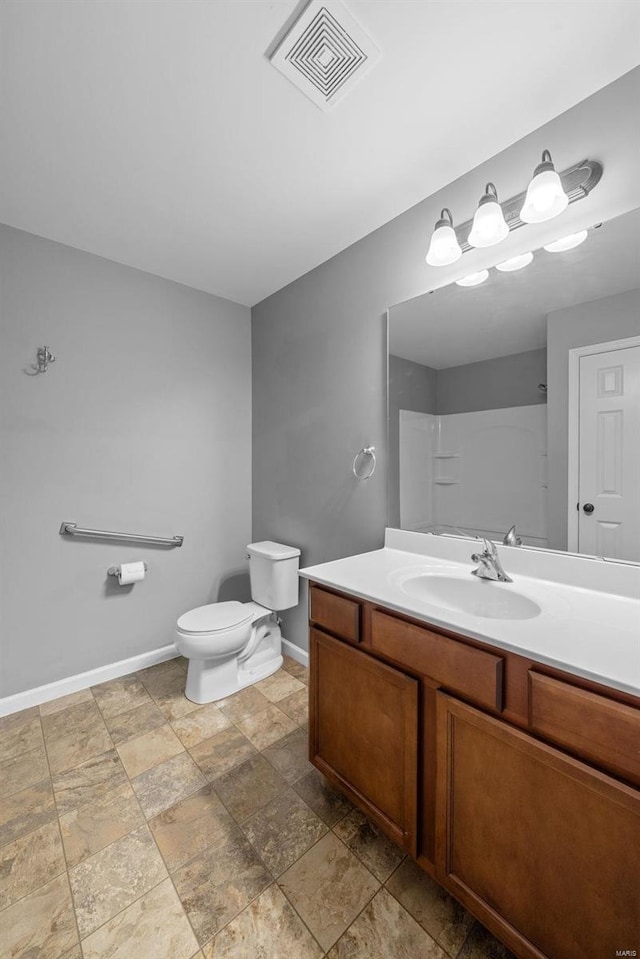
(508, 313)
(158, 134)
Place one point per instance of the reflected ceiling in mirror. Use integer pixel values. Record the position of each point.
(479, 396)
(507, 314)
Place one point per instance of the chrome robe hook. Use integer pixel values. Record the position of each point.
(44, 356)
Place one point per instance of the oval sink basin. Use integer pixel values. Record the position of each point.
(477, 597)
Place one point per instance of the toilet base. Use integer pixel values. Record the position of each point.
(211, 680)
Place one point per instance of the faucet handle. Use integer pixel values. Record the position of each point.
(488, 553)
(478, 557)
(511, 538)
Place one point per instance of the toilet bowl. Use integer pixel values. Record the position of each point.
(232, 645)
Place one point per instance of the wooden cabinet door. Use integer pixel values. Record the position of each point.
(542, 848)
(364, 733)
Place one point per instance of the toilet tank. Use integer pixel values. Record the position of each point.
(273, 569)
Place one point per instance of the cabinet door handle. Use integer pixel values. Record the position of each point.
(588, 508)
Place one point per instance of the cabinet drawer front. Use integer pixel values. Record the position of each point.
(463, 669)
(335, 613)
(598, 729)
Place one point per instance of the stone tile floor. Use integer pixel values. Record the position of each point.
(134, 823)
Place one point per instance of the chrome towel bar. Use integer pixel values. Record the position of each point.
(72, 529)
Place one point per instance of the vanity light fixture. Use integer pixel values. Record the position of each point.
(515, 263)
(545, 194)
(489, 225)
(566, 242)
(444, 247)
(474, 279)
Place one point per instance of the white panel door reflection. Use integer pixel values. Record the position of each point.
(609, 463)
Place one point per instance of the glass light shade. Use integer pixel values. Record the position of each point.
(515, 263)
(474, 279)
(444, 247)
(489, 226)
(545, 198)
(567, 242)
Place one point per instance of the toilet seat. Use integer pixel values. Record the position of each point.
(215, 617)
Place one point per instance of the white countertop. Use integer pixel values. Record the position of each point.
(581, 628)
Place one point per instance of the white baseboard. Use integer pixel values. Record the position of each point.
(300, 655)
(102, 674)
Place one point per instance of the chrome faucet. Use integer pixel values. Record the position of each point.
(511, 538)
(489, 566)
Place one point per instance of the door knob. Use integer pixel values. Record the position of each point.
(588, 508)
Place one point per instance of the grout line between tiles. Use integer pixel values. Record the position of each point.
(147, 821)
(182, 865)
(392, 874)
(460, 950)
(211, 785)
(366, 905)
(124, 909)
(8, 795)
(64, 852)
(240, 911)
(112, 841)
(168, 876)
(359, 861)
(187, 862)
(324, 951)
(406, 909)
(63, 871)
(87, 759)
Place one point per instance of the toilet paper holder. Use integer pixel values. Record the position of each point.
(115, 570)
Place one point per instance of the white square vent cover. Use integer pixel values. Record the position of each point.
(325, 53)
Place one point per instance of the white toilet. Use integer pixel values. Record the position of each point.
(232, 645)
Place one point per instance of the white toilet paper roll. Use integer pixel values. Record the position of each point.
(130, 573)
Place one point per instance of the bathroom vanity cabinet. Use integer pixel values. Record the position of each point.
(513, 784)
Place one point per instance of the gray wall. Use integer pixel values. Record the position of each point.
(143, 424)
(599, 321)
(319, 345)
(494, 384)
(412, 386)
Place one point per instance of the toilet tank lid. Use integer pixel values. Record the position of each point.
(215, 616)
(272, 550)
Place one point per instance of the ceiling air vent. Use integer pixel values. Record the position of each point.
(325, 53)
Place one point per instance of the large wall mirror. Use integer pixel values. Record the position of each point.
(517, 401)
